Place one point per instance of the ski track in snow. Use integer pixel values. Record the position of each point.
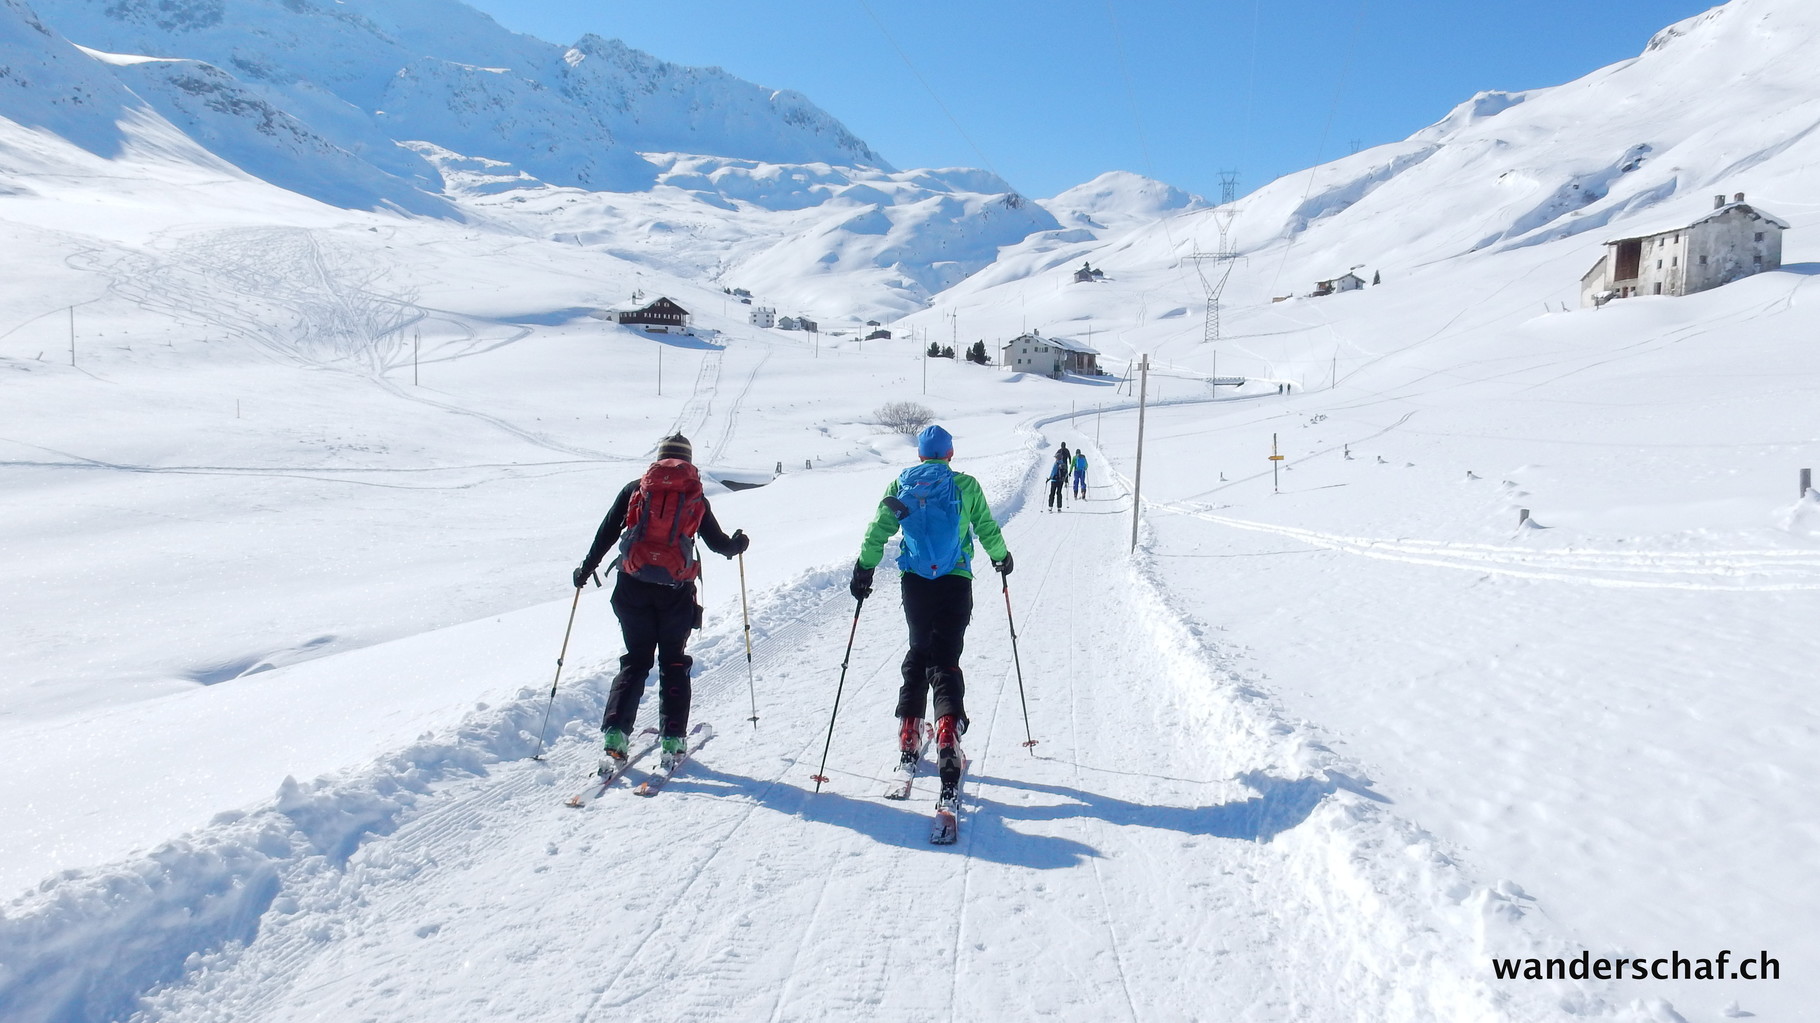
(1752, 570)
(249, 279)
(695, 412)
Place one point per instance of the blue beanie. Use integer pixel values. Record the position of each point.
(934, 442)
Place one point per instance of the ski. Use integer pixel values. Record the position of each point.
(945, 827)
(903, 775)
(604, 781)
(658, 778)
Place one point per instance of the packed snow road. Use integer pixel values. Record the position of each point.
(1169, 850)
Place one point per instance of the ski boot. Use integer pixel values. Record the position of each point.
(613, 753)
(674, 747)
(910, 742)
(949, 760)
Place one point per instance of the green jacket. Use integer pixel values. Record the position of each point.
(976, 519)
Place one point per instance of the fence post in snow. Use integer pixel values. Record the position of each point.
(1807, 481)
(1522, 515)
(1137, 478)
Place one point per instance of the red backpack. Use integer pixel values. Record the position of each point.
(658, 545)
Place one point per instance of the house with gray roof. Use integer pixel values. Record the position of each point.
(1732, 241)
(1049, 356)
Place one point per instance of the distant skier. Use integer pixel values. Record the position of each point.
(1080, 474)
(655, 521)
(1058, 477)
(940, 512)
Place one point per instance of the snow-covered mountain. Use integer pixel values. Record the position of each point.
(406, 104)
(441, 72)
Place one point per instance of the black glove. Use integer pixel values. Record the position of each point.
(1003, 564)
(580, 577)
(861, 586)
(740, 542)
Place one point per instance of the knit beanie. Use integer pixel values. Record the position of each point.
(675, 446)
(934, 442)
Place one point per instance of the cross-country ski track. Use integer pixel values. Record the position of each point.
(1171, 849)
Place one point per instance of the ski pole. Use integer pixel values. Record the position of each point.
(746, 614)
(564, 652)
(1005, 586)
(819, 776)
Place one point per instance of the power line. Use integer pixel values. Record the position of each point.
(905, 57)
(1339, 89)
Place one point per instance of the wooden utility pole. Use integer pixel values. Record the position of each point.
(1137, 478)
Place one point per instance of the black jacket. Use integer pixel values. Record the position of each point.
(615, 523)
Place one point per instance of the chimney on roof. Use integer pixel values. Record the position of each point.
(1738, 198)
(1719, 201)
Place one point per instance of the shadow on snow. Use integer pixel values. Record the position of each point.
(988, 825)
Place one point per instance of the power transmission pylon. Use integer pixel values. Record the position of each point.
(1222, 259)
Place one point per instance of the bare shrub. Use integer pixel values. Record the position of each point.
(905, 417)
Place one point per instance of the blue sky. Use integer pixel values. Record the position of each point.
(1051, 94)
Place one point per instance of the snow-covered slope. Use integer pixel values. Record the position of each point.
(1722, 103)
(1117, 201)
(290, 494)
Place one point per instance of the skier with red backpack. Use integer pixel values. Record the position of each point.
(939, 512)
(655, 520)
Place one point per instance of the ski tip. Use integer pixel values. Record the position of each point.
(945, 830)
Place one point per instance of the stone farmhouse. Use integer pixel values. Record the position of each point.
(1050, 356)
(1732, 241)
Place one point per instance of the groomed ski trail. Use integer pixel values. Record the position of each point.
(1169, 852)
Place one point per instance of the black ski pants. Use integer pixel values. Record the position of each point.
(655, 621)
(1055, 493)
(937, 612)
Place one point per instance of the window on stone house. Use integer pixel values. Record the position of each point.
(1702, 260)
(1658, 264)
(1757, 260)
(1674, 261)
(1658, 288)
(1759, 235)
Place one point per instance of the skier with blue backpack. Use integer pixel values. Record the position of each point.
(1058, 478)
(940, 513)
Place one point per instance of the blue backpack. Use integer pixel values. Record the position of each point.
(928, 510)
